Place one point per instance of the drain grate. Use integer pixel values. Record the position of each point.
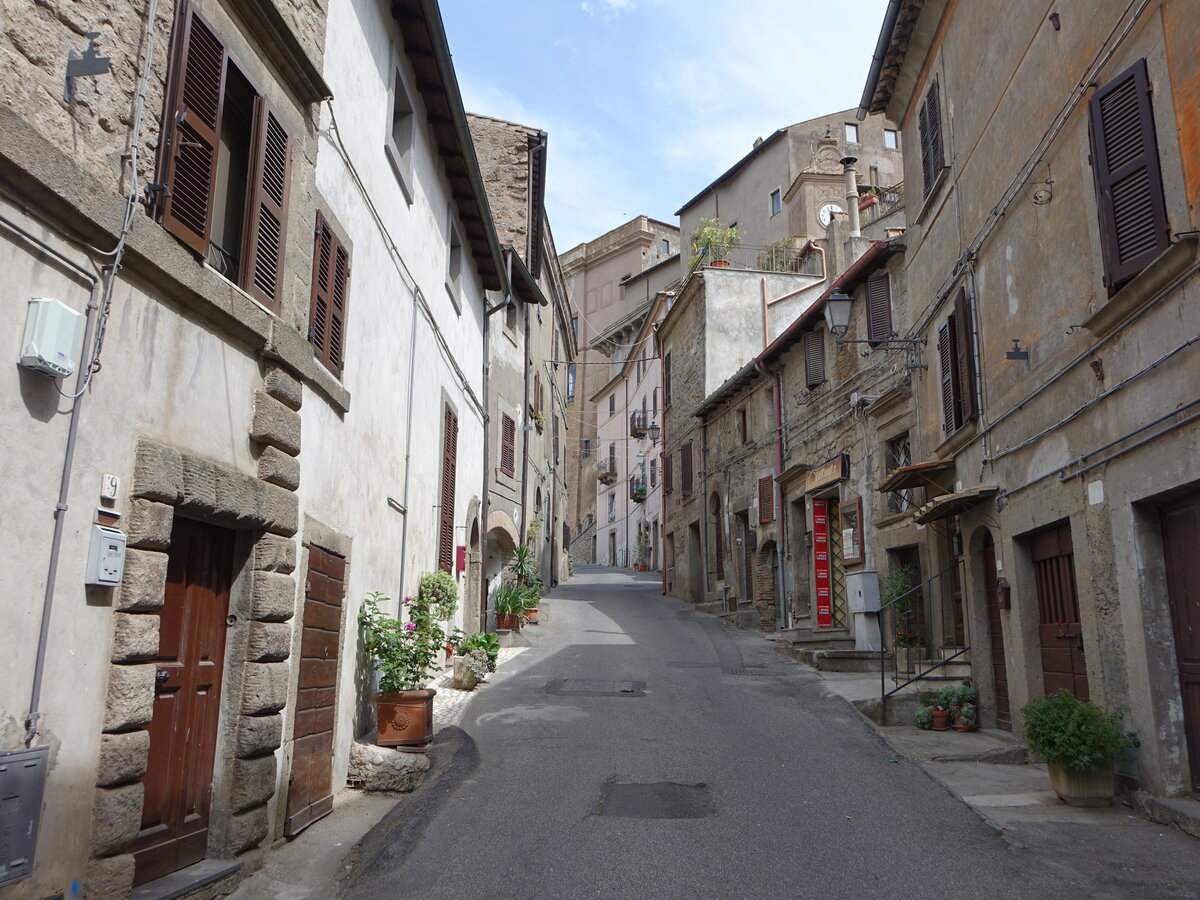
(656, 800)
(594, 687)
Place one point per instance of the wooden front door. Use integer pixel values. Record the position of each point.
(996, 634)
(310, 795)
(187, 699)
(1181, 549)
(1059, 631)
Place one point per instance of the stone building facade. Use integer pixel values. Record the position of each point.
(1051, 267)
(211, 419)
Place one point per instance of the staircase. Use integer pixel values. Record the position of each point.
(827, 650)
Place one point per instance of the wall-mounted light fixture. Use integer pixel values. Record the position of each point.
(653, 432)
(838, 306)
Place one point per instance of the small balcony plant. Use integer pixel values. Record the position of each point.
(711, 241)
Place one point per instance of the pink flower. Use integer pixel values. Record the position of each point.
(410, 626)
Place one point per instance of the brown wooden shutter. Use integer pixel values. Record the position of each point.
(1129, 189)
(929, 121)
(766, 499)
(965, 358)
(327, 313)
(446, 523)
(685, 466)
(946, 357)
(537, 392)
(879, 308)
(554, 431)
(814, 358)
(508, 443)
(267, 207)
(666, 381)
(668, 474)
(194, 128)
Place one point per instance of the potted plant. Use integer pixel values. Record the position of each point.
(956, 698)
(939, 718)
(924, 717)
(510, 607)
(488, 642)
(532, 594)
(1079, 743)
(404, 652)
(967, 718)
(470, 669)
(711, 241)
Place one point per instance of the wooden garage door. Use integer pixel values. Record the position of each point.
(310, 795)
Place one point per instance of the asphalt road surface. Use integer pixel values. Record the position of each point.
(639, 749)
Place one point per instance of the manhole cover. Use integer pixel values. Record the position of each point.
(596, 687)
(656, 800)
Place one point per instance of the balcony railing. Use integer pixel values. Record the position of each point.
(778, 257)
(637, 489)
(638, 423)
(606, 470)
(873, 207)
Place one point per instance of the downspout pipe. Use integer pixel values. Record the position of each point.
(408, 428)
(528, 424)
(782, 613)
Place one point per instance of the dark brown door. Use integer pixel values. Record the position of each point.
(187, 699)
(1181, 549)
(996, 635)
(1059, 631)
(311, 793)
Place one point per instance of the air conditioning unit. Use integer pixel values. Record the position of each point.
(53, 333)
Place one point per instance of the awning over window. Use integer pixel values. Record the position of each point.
(916, 475)
(948, 505)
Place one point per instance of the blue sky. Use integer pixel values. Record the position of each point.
(647, 101)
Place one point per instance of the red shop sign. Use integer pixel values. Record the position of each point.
(821, 563)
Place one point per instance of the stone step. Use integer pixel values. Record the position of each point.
(713, 607)
(832, 659)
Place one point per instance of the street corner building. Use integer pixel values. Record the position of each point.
(248, 253)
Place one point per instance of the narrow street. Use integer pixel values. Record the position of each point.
(639, 749)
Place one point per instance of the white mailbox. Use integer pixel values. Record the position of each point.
(862, 591)
(106, 556)
(51, 343)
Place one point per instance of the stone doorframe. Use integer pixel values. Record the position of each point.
(264, 511)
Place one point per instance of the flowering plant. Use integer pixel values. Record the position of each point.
(908, 639)
(403, 651)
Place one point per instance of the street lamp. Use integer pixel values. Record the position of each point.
(837, 317)
(837, 313)
(653, 432)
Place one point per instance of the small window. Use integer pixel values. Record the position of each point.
(957, 360)
(575, 327)
(776, 202)
(508, 444)
(814, 359)
(612, 507)
(612, 404)
(933, 158)
(666, 380)
(743, 433)
(454, 262)
(879, 308)
(570, 382)
(510, 315)
(851, 133)
(891, 139)
(586, 452)
(666, 247)
(653, 473)
(327, 310)
(399, 144)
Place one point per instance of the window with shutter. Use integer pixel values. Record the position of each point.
(668, 473)
(957, 359)
(1129, 190)
(446, 510)
(653, 473)
(766, 499)
(226, 165)
(879, 307)
(929, 122)
(946, 358)
(685, 467)
(814, 358)
(327, 313)
(666, 380)
(555, 430)
(508, 444)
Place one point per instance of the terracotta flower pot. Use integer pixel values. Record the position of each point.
(509, 621)
(1094, 788)
(405, 718)
(719, 263)
(531, 616)
(941, 720)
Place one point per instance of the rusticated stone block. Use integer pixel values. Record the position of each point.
(273, 597)
(247, 829)
(274, 554)
(258, 735)
(110, 878)
(284, 388)
(252, 782)
(123, 757)
(135, 637)
(277, 467)
(129, 702)
(157, 472)
(281, 511)
(144, 581)
(269, 642)
(384, 769)
(200, 485)
(264, 689)
(116, 818)
(275, 424)
(240, 497)
(149, 525)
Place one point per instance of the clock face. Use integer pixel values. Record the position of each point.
(826, 213)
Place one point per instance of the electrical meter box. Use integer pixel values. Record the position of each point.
(862, 592)
(106, 556)
(53, 333)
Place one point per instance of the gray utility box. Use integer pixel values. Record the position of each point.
(862, 591)
(22, 781)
